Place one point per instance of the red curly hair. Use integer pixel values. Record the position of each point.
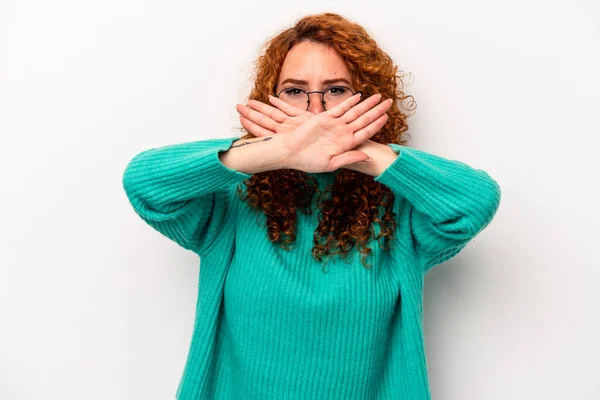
(280, 193)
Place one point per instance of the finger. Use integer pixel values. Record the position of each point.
(371, 115)
(344, 106)
(285, 107)
(272, 112)
(361, 108)
(368, 131)
(257, 117)
(255, 129)
(349, 157)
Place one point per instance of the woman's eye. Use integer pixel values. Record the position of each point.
(293, 92)
(337, 90)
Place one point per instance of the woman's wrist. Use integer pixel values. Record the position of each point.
(256, 155)
(381, 155)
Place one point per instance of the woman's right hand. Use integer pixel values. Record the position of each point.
(324, 142)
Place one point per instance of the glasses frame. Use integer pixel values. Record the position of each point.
(315, 91)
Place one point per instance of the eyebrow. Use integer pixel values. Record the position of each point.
(305, 83)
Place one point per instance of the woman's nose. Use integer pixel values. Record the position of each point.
(315, 104)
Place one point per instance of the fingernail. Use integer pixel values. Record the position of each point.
(368, 159)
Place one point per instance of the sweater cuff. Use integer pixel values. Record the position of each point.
(215, 172)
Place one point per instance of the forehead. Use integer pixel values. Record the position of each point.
(313, 62)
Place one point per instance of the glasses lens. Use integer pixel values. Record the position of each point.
(335, 95)
(295, 97)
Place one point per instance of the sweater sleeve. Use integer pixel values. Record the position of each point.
(451, 202)
(182, 190)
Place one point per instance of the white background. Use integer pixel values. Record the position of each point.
(94, 304)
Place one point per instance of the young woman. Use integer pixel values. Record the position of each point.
(295, 304)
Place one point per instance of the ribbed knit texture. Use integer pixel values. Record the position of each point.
(270, 323)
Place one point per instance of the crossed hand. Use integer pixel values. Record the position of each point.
(320, 142)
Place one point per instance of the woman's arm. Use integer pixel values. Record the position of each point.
(452, 202)
(183, 190)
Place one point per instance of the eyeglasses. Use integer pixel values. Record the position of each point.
(330, 97)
